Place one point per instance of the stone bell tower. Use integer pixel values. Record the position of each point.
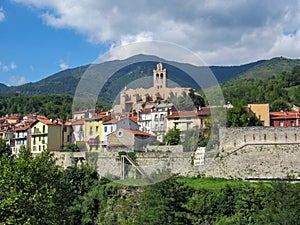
(160, 77)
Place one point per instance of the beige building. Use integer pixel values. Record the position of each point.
(45, 134)
(262, 112)
(128, 140)
(132, 99)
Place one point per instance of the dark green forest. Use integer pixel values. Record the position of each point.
(52, 106)
(34, 190)
(279, 91)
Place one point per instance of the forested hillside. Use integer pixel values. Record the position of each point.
(280, 91)
(55, 106)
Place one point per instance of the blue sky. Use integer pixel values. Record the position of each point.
(39, 38)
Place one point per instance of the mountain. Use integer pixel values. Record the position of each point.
(115, 75)
(270, 68)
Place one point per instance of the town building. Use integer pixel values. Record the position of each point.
(45, 134)
(114, 124)
(262, 112)
(128, 140)
(93, 131)
(285, 119)
(20, 139)
(133, 99)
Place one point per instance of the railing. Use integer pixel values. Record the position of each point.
(134, 164)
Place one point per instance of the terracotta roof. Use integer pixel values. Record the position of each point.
(182, 114)
(78, 122)
(134, 119)
(204, 111)
(45, 120)
(284, 115)
(121, 119)
(138, 132)
(24, 128)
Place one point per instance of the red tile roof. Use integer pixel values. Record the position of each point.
(133, 119)
(182, 114)
(24, 128)
(284, 115)
(138, 132)
(78, 122)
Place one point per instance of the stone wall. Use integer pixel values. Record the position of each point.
(258, 161)
(234, 138)
(244, 152)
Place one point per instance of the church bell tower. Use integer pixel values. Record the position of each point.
(160, 77)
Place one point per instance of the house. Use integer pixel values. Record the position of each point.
(20, 139)
(262, 112)
(93, 131)
(128, 140)
(285, 119)
(114, 124)
(45, 134)
(82, 114)
(67, 132)
(182, 120)
(78, 131)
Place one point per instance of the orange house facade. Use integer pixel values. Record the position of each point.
(285, 119)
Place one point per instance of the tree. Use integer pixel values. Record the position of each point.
(280, 105)
(4, 148)
(32, 190)
(238, 116)
(172, 137)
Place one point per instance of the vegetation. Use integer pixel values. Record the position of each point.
(172, 137)
(34, 190)
(278, 90)
(238, 116)
(54, 106)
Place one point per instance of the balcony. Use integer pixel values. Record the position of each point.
(38, 133)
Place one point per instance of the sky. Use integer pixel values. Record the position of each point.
(41, 37)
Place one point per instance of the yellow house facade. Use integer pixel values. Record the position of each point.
(93, 132)
(45, 134)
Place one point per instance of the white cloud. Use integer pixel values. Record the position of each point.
(13, 65)
(220, 31)
(2, 15)
(14, 80)
(63, 66)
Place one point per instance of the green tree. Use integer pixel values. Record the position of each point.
(172, 137)
(238, 116)
(4, 148)
(32, 190)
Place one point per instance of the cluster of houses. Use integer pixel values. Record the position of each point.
(106, 131)
(101, 131)
(141, 117)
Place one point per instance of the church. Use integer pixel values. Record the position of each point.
(134, 99)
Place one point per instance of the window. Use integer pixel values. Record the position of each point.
(97, 128)
(161, 117)
(44, 128)
(39, 148)
(111, 129)
(105, 129)
(292, 124)
(91, 131)
(281, 123)
(34, 140)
